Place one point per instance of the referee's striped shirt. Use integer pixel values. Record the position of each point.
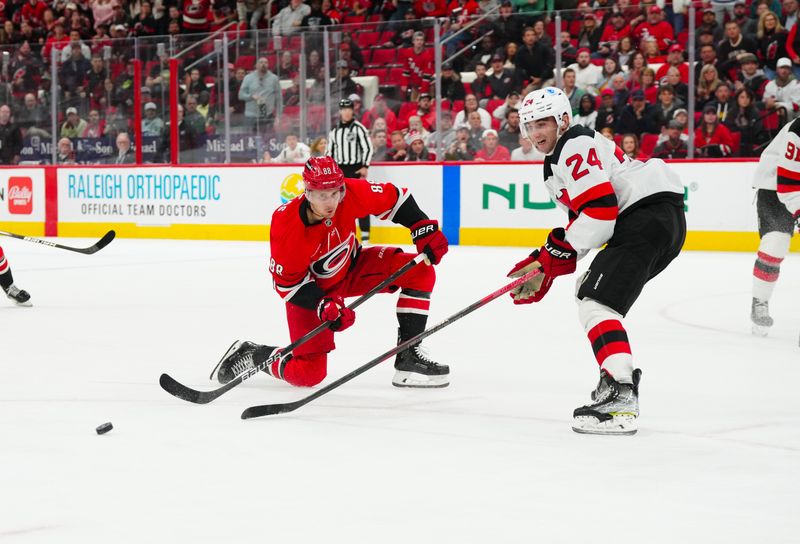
(349, 144)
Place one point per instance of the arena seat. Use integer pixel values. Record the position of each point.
(648, 144)
(383, 56)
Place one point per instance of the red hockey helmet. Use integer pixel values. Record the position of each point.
(322, 173)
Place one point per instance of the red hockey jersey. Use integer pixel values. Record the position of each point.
(418, 69)
(196, 15)
(304, 255)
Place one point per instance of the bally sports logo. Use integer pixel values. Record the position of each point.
(20, 195)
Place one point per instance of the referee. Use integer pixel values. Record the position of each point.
(350, 146)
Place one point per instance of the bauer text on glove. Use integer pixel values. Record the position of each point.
(429, 239)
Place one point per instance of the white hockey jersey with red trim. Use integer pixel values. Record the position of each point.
(594, 181)
(779, 167)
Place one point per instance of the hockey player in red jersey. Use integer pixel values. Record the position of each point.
(777, 180)
(19, 296)
(316, 262)
(635, 209)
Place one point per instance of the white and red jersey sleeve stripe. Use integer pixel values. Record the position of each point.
(402, 196)
(589, 192)
(288, 289)
(788, 172)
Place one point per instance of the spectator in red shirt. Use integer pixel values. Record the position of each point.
(655, 27)
(424, 111)
(33, 12)
(651, 53)
(196, 16)
(616, 29)
(58, 40)
(380, 110)
(712, 138)
(492, 150)
(649, 86)
(430, 8)
(674, 58)
(417, 68)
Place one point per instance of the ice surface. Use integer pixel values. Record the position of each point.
(491, 459)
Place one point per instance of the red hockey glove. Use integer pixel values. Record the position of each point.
(535, 288)
(557, 256)
(333, 309)
(429, 239)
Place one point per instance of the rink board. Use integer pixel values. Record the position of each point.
(486, 204)
(22, 201)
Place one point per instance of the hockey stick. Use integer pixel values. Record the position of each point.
(271, 409)
(101, 243)
(177, 389)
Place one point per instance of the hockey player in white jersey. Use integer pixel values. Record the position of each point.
(777, 181)
(633, 208)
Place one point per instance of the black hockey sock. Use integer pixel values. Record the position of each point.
(411, 325)
(6, 279)
(274, 369)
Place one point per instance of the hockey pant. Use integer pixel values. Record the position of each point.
(645, 241)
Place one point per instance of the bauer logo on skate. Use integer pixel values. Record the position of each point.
(20, 195)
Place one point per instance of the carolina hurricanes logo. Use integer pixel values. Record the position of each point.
(335, 260)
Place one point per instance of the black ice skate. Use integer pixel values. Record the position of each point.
(19, 296)
(759, 315)
(415, 369)
(614, 409)
(241, 357)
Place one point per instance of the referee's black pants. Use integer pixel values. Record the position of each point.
(350, 171)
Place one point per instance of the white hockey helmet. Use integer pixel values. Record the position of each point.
(544, 103)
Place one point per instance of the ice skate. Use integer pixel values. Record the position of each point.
(240, 358)
(614, 410)
(759, 315)
(19, 296)
(414, 368)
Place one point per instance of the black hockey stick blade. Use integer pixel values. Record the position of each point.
(272, 409)
(101, 243)
(177, 389)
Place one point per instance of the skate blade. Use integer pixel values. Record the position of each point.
(760, 330)
(619, 425)
(213, 375)
(26, 304)
(404, 378)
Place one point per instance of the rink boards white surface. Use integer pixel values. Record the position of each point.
(489, 459)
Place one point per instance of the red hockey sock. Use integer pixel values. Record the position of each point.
(767, 267)
(611, 349)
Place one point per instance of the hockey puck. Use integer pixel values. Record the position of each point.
(104, 428)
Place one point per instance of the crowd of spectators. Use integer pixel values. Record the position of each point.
(623, 66)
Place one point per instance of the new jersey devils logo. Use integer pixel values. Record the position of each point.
(332, 262)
